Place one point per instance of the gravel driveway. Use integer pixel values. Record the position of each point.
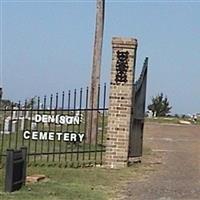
(178, 175)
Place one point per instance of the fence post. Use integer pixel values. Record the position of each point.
(24, 157)
(120, 101)
(15, 169)
(9, 170)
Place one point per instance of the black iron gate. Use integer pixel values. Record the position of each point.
(138, 114)
(54, 128)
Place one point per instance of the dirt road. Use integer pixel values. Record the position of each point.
(178, 175)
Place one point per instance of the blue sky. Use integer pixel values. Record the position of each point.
(47, 46)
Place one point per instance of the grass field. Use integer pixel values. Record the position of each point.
(171, 120)
(76, 184)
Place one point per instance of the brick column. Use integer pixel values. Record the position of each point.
(120, 101)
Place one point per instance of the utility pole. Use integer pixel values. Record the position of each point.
(96, 71)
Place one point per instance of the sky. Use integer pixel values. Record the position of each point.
(47, 46)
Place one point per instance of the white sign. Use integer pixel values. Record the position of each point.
(58, 119)
(51, 136)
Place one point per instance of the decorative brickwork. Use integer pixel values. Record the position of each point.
(120, 101)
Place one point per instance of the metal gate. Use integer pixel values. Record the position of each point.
(54, 128)
(138, 114)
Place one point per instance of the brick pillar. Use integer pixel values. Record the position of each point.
(120, 101)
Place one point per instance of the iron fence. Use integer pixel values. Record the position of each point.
(55, 129)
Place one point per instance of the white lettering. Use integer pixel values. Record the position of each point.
(44, 118)
(51, 118)
(43, 136)
(73, 137)
(81, 136)
(59, 136)
(26, 135)
(76, 120)
(69, 120)
(57, 119)
(51, 135)
(62, 119)
(38, 118)
(34, 135)
(66, 137)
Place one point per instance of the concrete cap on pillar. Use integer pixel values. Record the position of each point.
(121, 42)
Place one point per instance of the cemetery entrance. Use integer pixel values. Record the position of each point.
(54, 128)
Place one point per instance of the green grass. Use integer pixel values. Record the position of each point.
(76, 184)
(171, 120)
(163, 120)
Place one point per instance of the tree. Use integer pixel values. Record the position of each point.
(160, 105)
(96, 69)
(5, 103)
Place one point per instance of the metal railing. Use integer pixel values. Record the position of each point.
(54, 128)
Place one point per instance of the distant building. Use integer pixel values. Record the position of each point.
(198, 114)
